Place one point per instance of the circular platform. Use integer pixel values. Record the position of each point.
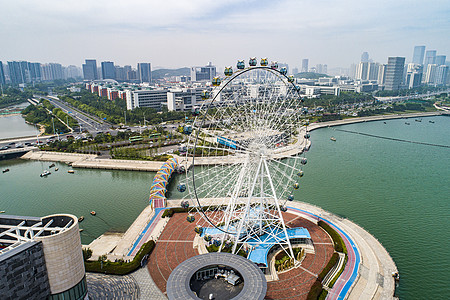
(178, 285)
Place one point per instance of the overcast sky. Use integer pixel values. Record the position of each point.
(178, 33)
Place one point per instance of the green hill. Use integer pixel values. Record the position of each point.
(310, 75)
(161, 73)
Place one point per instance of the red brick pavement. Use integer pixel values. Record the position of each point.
(294, 284)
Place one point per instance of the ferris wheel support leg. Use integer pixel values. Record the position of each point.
(247, 207)
(232, 204)
(277, 205)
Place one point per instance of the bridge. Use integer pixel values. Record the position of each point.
(16, 152)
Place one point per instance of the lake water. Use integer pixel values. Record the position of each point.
(14, 126)
(397, 191)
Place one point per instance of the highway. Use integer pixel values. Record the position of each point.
(86, 121)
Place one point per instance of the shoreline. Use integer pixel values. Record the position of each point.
(314, 126)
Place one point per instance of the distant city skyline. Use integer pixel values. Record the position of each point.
(175, 34)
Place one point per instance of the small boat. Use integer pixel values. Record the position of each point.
(418, 120)
(384, 122)
(407, 123)
(56, 169)
(93, 213)
(2, 211)
(333, 139)
(80, 219)
(51, 166)
(45, 173)
(71, 171)
(81, 229)
(5, 170)
(431, 121)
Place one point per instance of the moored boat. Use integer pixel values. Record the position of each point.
(51, 166)
(71, 171)
(93, 213)
(5, 170)
(45, 173)
(333, 139)
(80, 219)
(56, 169)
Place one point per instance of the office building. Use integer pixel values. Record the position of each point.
(90, 70)
(108, 70)
(430, 75)
(41, 258)
(372, 71)
(419, 52)
(146, 98)
(365, 57)
(414, 75)
(361, 71)
(305, 67)
(72, 72)
(144, 72)
(394, 73)
(430, 58)
(120, 73)
(441, 74)
(183, 99)
(2, 74)
(203, 73)
(440, 60)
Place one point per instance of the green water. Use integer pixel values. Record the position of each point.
(397, 191)
(118, 197)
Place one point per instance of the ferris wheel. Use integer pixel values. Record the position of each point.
(246, 150)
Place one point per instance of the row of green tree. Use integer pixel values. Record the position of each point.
(343, 98)
(40, 114)
(12, 96)
(405, 92)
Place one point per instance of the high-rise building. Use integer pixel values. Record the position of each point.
(18, 72)
(72, 72)
(90, 70)
(419, 52)
(440, 60)
(394, 73)
(2, 74)
(305, 67)
(120, 73)
(430, 58)
(372, 71)
(414, 75)
(430, 75)
(441, 75)
(361, 71)
(144, 72)
(52, 71)
(108, 70)
(203, 73)
(365, 57)
(35, 72)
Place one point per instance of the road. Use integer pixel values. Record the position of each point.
(87, 122)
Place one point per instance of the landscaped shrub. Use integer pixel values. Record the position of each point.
(120, 267)
(339, 244)
(315, 291)
(333, 260)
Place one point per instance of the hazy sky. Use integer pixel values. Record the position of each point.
(177, 33)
